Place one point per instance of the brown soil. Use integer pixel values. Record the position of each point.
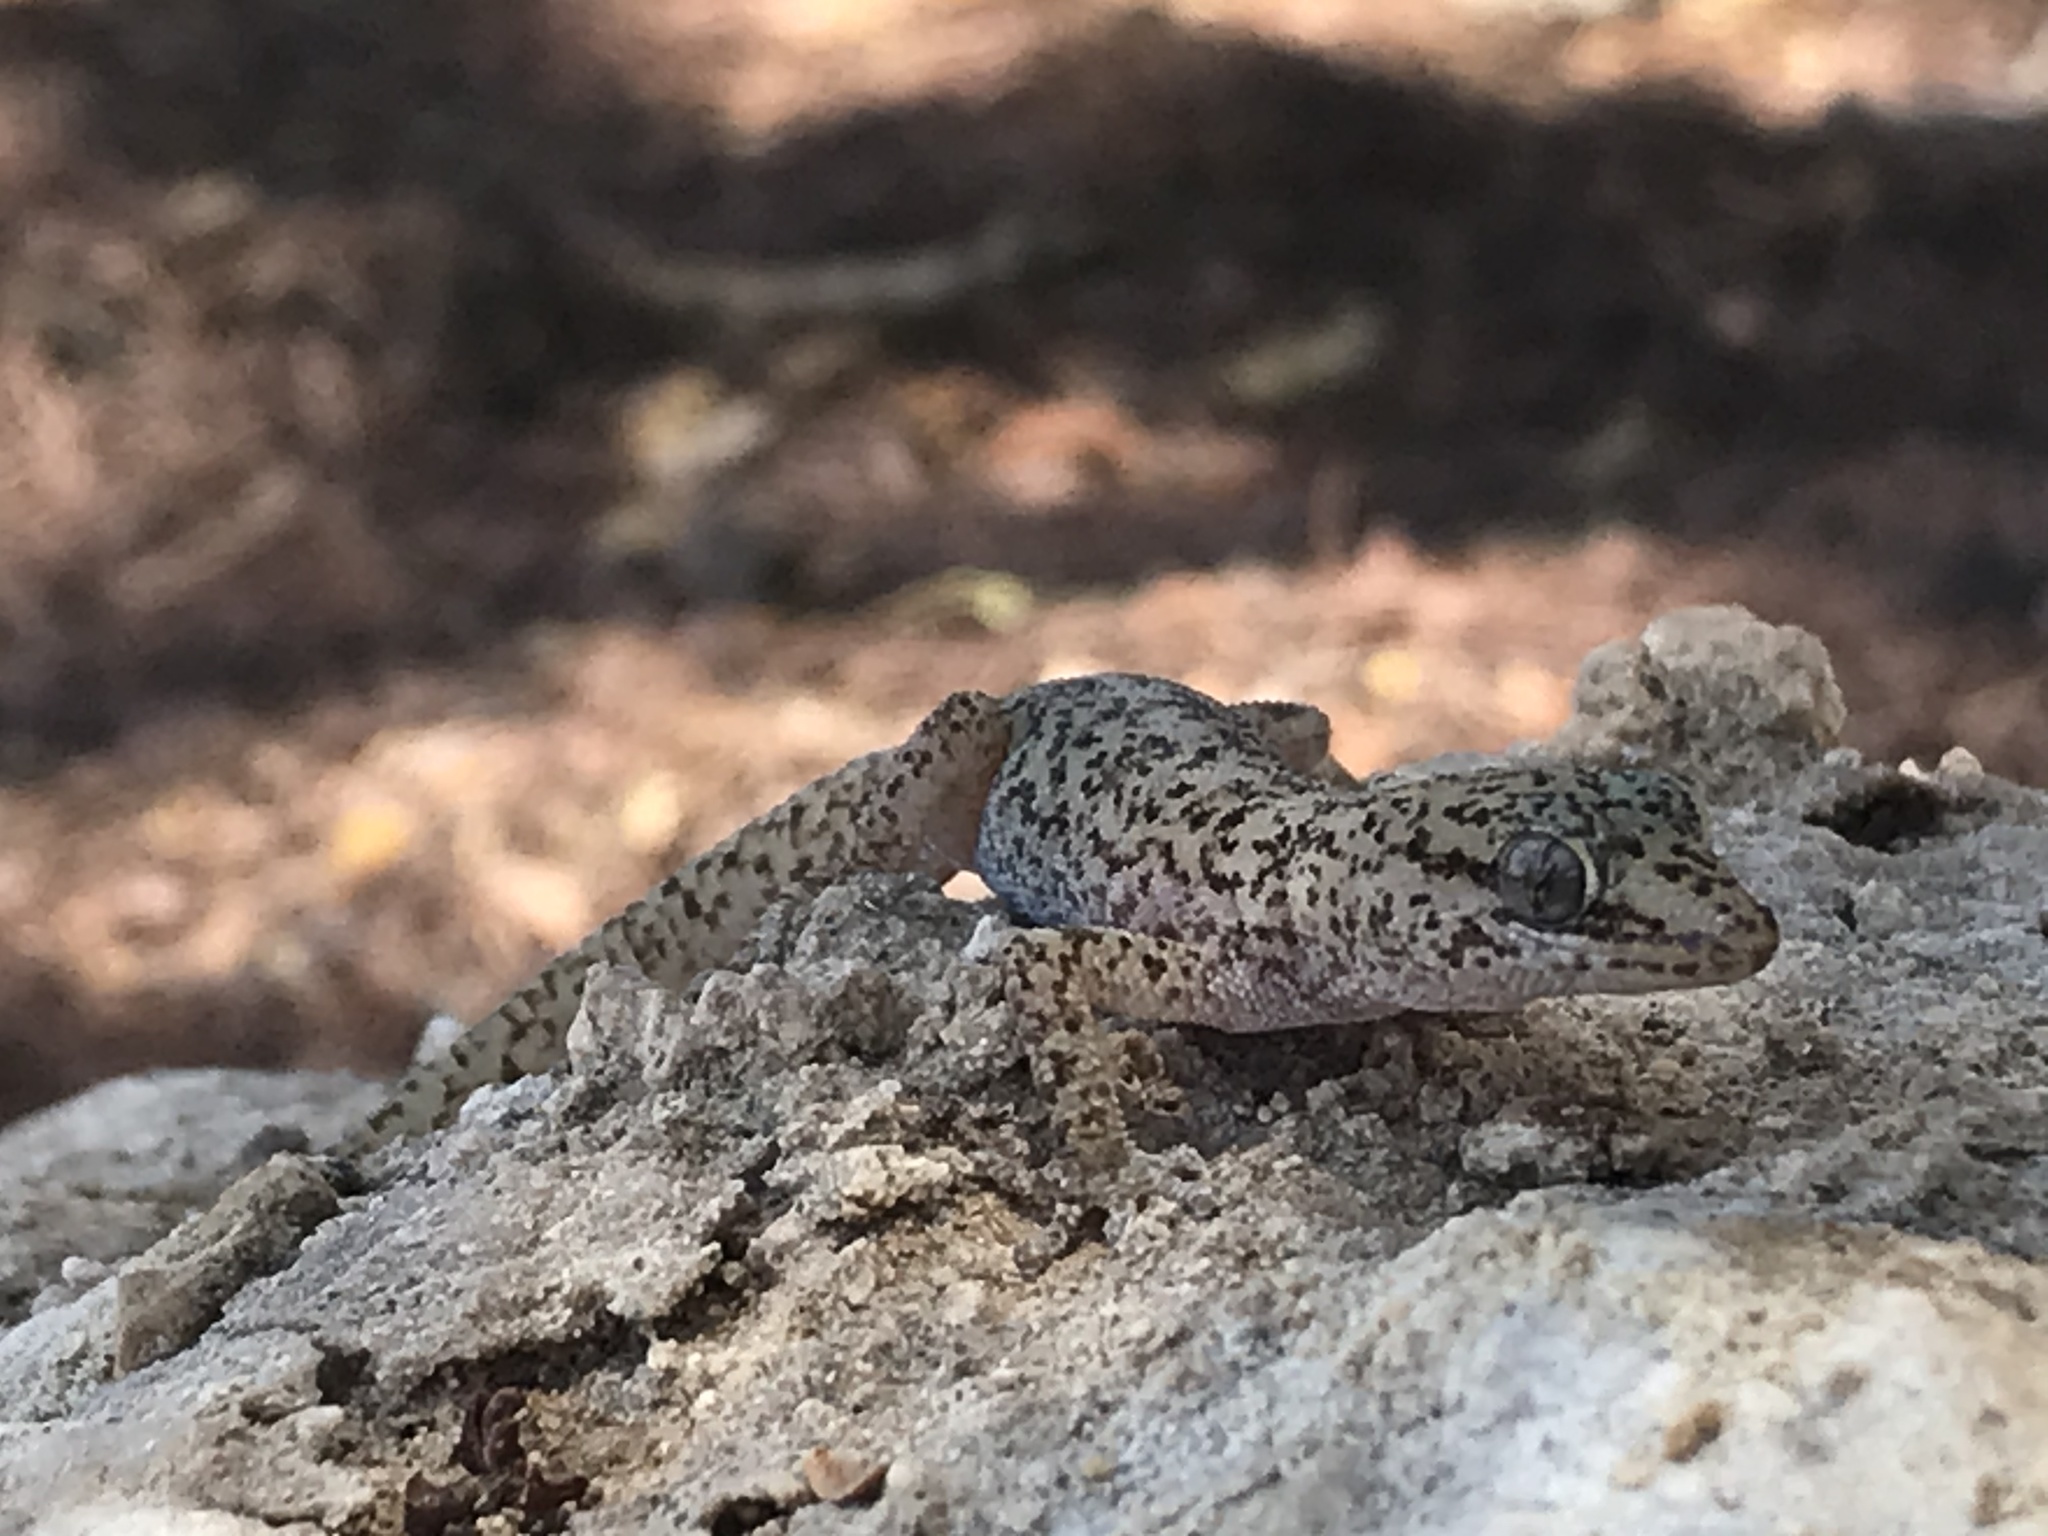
(390, 584)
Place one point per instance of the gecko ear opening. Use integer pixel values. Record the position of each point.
(1546, 881)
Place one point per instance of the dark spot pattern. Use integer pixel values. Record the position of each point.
(915, 808)
(1190, 861)
(1141, 805)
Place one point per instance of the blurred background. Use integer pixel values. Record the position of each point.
(459, 457)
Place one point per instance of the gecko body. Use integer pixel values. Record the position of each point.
(1187, 861)
(1148, 809)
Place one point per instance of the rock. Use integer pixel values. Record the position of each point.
(174, 1292)
(799, 1235)
(1665, 1363)
(1731, 700)
(105, 1174)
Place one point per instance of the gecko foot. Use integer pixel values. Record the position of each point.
(1058, 982)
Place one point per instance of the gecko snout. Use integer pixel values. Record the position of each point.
(1680, 924)
(1750, 938)
(1727, 935)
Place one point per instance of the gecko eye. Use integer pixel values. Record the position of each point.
(1545, 881)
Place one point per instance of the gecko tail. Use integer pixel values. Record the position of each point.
(909, 809)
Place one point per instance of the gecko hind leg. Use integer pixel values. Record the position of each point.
(1057, 982)
(1298, 734)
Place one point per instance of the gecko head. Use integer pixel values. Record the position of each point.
(1563, 878)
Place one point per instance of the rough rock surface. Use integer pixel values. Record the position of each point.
(105, 1174)
(794, 1252)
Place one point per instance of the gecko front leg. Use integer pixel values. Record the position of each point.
(1057, 982)
(908, 809)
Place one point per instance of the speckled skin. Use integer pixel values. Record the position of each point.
(1181, 860)
(910, 809)
(1138, 805)
(1207, 864)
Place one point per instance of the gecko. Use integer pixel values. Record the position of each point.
(1168, 858)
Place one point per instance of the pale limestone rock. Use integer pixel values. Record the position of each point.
(804, 1217)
